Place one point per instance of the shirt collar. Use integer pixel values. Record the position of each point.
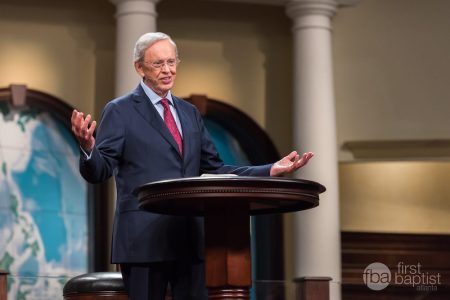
(154, 98)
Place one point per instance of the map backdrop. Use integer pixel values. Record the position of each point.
(43, 205)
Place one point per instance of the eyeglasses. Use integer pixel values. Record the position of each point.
(159, 64)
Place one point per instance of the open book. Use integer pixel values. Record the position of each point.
(218, 175)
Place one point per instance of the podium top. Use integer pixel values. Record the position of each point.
(262, 195)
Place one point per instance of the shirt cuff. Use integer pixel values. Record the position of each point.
(87, 156)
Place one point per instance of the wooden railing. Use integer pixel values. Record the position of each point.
(312, 288)
(3, 284)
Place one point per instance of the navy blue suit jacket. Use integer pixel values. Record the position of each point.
(134, 145)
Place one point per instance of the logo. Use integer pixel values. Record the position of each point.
(377, 276)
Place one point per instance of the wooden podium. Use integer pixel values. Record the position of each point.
(226, 202)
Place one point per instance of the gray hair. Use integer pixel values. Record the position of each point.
(148, 39)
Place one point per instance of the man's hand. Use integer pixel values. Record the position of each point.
(290, 163)
(83, 131)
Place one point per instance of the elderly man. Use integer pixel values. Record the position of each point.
(151, 135)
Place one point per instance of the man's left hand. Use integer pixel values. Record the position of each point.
(290, 163)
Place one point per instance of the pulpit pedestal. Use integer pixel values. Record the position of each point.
(227, 202)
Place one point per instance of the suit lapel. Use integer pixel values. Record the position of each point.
(146, 109)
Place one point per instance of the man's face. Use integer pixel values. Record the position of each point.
(159, 67)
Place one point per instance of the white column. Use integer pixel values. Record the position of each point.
(316, 232)
(134, 18)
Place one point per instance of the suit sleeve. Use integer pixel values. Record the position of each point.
(108, 147)
(213, 164)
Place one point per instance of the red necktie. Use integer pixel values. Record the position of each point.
(171, 125)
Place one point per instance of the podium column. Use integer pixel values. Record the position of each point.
(316, 232)
(134, 18)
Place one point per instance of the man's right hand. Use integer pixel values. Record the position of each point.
(83, 131)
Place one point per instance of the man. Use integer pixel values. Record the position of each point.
(151, 135)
